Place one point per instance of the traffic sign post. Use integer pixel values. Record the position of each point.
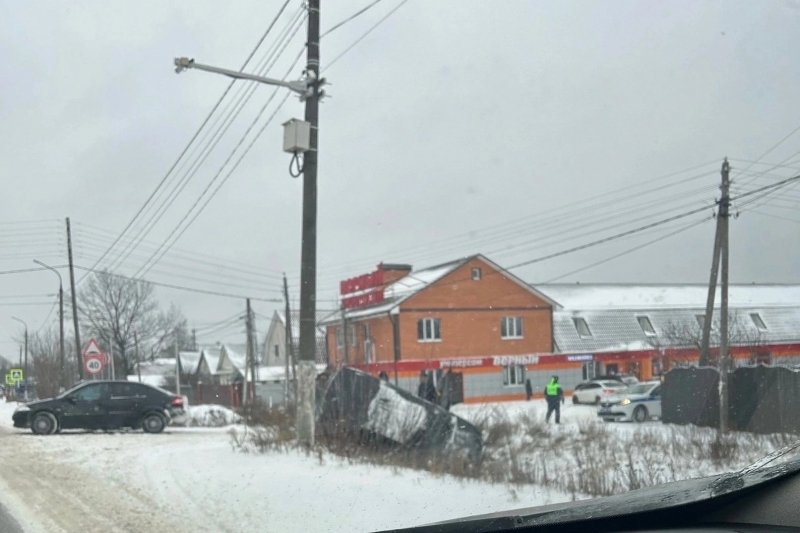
(94, 359)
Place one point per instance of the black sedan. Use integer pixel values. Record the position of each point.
(102, 405)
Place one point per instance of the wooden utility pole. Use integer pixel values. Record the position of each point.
(138, 361)
(177, 365)
(723, 311)
(194, 340)
(79, 357)
(289, 342)
(250, 367)
(307, 371)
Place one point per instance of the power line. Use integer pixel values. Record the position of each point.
(348, 19)
(630, 250)
(231, 113)
(179, 287)
(381, 21)
(194, 137)
(145, 268)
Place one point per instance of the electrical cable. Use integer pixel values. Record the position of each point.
(197, 133)
(145, 268)
(381, 21)
(240, 100)
(348, 19)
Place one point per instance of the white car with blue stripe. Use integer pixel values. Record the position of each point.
(637, 403)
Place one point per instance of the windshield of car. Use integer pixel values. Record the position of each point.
(318, 265)
(642, 388)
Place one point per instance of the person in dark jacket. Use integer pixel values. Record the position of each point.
(422, 389)
(554, 395)
(528, 390)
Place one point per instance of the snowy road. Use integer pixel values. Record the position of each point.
(193, 480)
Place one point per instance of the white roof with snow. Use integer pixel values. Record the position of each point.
(664, 296)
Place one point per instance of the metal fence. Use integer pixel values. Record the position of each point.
(761, 399)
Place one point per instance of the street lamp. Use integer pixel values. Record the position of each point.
(310, 92)
(60, 320)
(25, 368)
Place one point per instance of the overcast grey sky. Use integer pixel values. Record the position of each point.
(449, 118)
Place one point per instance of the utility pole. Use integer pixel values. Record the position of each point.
(79, 357)
(345, 340)
(307, 371)
(136, 350)
(61, 380)
(289, 341)
(723, 319)
(194, 340)
(712, 290)
(250, 367)
(25, 368)
(111, 356)
(177, 366)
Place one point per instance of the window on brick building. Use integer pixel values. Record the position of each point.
(511, 327)
(476, 273)
(514, 376)
(429, 330)
(351, 341)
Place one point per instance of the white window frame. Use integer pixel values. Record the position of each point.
(429, 333)
(580, 320)
(476, 273)
(509, 323)
(514, 376)
(351, 329)
(646, 320)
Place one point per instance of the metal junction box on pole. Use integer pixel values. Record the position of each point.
(296, 136)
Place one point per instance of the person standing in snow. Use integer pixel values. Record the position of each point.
(554, 395)
(528, 390)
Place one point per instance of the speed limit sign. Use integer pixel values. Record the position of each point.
(93, 365)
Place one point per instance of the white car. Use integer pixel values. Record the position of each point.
(596, 391)
(637, 403)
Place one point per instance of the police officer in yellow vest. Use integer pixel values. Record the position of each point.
(554, 395)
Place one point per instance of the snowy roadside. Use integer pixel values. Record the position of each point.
(194, 478)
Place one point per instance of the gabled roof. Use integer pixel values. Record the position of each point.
(189, 362)
(414, 282)
(321, 314)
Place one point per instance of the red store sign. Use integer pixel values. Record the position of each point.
(362, 285)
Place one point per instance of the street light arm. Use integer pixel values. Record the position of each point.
(20, 321)
(183, 63)
(48, 267)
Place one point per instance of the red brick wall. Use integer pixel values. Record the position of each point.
(470, 313)
(381, 331)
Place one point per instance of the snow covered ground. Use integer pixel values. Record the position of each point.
(193, 479)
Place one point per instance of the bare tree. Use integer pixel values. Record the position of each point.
(116, 309)
(44, 352)
(688, 334)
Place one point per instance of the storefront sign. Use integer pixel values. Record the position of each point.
(363, 290)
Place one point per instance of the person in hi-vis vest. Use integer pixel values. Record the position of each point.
(554, 395)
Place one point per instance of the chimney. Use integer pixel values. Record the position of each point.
(393, 271)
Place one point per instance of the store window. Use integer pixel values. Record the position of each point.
(514, 376)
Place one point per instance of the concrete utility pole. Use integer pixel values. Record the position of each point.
(62, 377)
(723, 310)
(250, 367)
(79, 357)
(712, 290)
(307, 369)
(24, 368)
(136, 349)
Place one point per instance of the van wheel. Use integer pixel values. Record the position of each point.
(640, 414)
(153, 423)
(44, 424)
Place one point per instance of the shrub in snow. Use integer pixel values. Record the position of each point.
(209, 416)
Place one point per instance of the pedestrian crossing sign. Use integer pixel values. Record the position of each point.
(14, 376)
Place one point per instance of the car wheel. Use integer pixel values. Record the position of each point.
(575, 400)
(640, 414)
(44, 424)
(597, 401)
(153, 423)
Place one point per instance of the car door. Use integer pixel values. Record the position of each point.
(589, 393)
(654, 403)
(82, 408)
(121, 404)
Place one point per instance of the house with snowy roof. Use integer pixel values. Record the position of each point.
(274, 348)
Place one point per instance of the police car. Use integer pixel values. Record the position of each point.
(637, 403)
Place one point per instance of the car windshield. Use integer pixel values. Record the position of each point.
(318, 265)
(642, 388)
